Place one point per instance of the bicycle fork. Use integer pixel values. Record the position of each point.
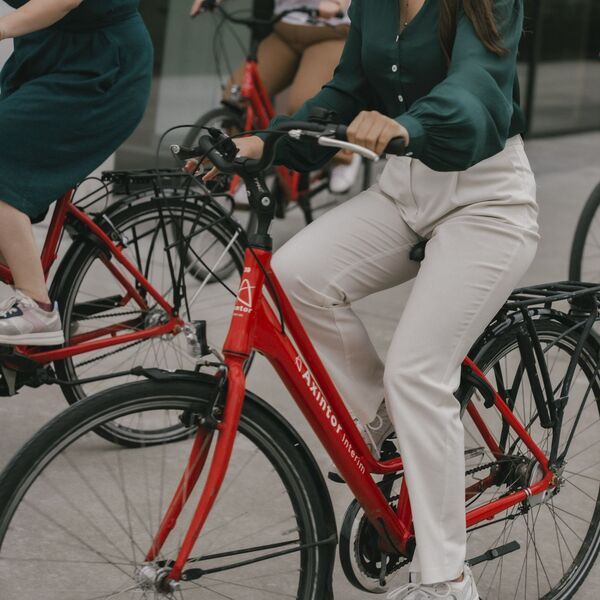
(236, 351)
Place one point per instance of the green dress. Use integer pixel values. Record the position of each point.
(457, 115)
(71, 94)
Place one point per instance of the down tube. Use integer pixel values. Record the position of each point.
(277, 348)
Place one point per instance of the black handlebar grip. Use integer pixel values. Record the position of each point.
(396, 146)
(183, 152)
(204, 149)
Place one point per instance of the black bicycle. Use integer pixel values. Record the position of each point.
(585, 252)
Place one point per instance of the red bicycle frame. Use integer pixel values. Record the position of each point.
(255, 326)
(106, 336)
(259, 112)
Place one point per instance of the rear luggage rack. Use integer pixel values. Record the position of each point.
(582, 295)
(129, 181)
(126, 185)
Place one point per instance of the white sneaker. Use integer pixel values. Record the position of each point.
(449, 590)
(374, 434)
(343, 176)
(23, 322)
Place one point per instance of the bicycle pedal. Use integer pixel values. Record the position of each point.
(495, 553)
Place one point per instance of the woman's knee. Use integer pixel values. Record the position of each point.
(413, 382)
(302, 281)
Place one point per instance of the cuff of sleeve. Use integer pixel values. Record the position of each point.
(416, 131)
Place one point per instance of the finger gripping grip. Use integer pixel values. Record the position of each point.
(396, 146)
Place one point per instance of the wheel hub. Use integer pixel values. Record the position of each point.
(153, 579)
(155, 317)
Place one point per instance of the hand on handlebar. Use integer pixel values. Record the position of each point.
(375, 131)
(330, 9)
(250, 147)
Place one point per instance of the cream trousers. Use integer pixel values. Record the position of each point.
(482, 230)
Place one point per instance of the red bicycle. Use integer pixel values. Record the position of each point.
(129, 285)
(249, 107)
(251, 517)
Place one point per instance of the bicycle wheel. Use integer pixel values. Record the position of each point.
(77, 516)
(585, 252)
(92, 300)
(232, 123)
(559, 532)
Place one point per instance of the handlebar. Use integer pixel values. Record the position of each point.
(222, 153)
(211, 5)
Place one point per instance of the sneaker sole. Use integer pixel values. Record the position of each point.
(53, 338)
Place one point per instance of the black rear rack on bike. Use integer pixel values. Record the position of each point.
(129, 181)
(583, 296)
(550, 399)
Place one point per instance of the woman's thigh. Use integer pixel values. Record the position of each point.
(357, 249)
(277, 64)
(472, 264)
(316, 68)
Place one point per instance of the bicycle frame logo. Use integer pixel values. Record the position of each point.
(244, 297)
(332, 419)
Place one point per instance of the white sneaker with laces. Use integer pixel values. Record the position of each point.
(449, 590)
(23, 322)
(343, 176)
(374, 434)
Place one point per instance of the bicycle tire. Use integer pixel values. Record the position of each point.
(75, 273)
(560, 335)
(581, 235)
(261, 428)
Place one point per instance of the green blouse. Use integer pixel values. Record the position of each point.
(456, 117)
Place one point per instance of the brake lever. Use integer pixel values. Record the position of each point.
(323, 139)
(361, 150)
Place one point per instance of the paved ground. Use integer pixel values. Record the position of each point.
(567, 170)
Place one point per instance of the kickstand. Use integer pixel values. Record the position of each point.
(383, 570)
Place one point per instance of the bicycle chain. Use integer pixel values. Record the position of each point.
(120, 349)
(481, 468)
(122, 314)
(107, 354)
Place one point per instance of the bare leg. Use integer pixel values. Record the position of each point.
(19, 251)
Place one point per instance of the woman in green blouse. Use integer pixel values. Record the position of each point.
(442, 75)
(74, 89)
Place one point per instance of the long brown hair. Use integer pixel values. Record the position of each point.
(480, 13)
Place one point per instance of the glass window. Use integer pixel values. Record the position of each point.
(567, 78)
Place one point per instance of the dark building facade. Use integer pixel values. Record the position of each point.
(559, 67)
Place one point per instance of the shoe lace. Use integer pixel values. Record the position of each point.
(426, 591)
(8, 306)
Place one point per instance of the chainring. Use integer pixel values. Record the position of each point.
(360, 556)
